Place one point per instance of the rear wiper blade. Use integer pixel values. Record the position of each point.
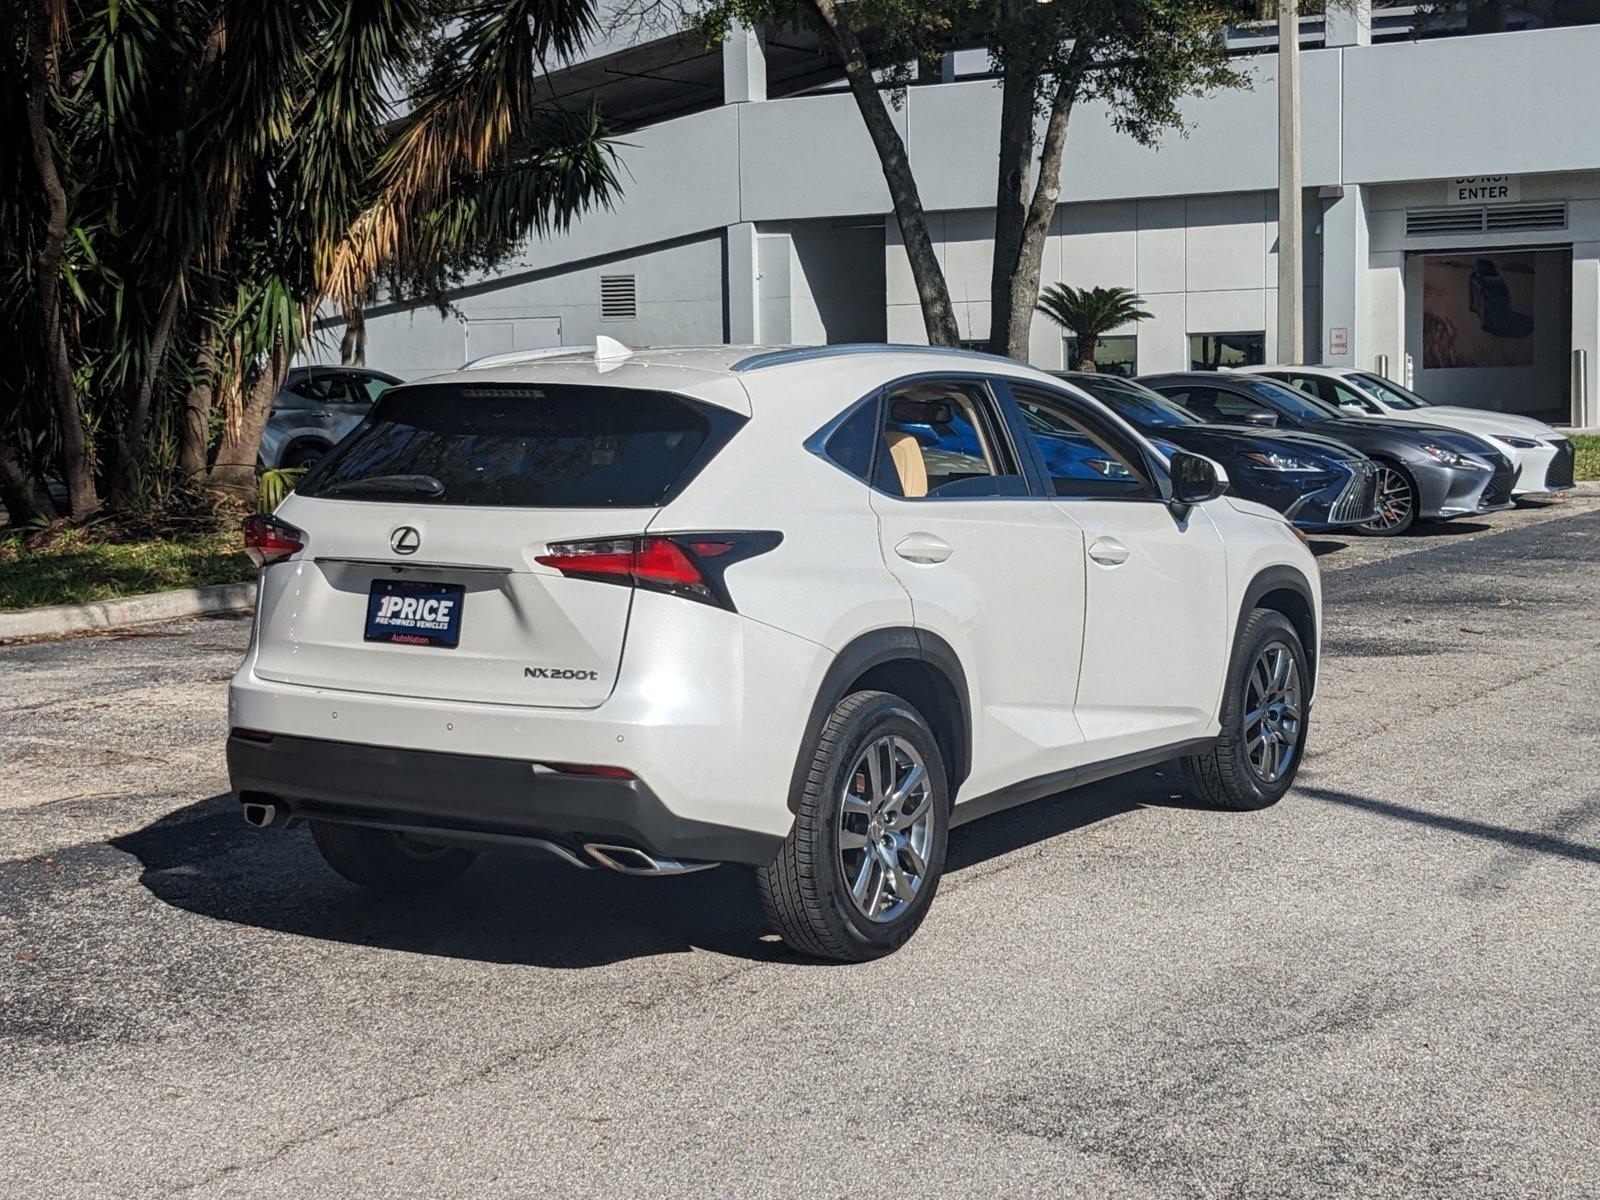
(416, 485)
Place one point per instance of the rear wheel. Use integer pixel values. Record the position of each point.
(1254, 760)
(1397, 502)
(304, 457)
(860, 867)
(388, 862)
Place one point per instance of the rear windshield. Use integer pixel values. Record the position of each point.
(524, 447)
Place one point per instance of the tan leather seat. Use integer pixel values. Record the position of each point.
(906, 454)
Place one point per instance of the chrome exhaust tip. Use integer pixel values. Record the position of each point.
(262, 816)
(630, 860)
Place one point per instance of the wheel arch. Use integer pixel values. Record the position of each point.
(918, 666)
(1285, 589)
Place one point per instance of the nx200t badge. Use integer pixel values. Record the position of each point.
(405, 540)
(558, 673)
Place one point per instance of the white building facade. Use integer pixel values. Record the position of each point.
(1452, 203)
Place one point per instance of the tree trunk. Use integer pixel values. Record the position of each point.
(1087, 345)
(136, 437)
(1016, 302)
(75, 468)
(195, 430)
(24, 495)
(1017, 90)
(235, 469)
(938, 314)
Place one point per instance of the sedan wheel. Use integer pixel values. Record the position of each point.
(1397, 503)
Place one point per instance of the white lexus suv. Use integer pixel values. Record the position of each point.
(798, 609)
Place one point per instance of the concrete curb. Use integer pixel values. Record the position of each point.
(129, 610)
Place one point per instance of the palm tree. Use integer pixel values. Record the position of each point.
(198, 178)
(1090, 313)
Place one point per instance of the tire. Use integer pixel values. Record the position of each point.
(387, 862)
(1403, 493)
(1229, 775)
(806, 895)
(304, 456)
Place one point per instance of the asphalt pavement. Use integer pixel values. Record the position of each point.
(1387, 985)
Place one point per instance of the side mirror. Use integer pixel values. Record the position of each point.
(1196, 479)
(1355, 410)
(1263, 417)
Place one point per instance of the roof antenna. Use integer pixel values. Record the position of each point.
(609, 349)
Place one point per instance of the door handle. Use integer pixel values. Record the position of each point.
(1108, 551)
(924, 548)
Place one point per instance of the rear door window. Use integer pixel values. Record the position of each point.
(514, 446)
(944, 440)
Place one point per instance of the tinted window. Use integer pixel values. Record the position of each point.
(1134, 403)
(1082, 461)
(524, 447)
(1202, 401)
(1390, 393)
(1117, 355)
(1287, 399)
(851, 445)
(1208, 351)
(1331, 391)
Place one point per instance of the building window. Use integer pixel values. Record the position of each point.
(1112, 355)
(619, 299)
(1208, 351)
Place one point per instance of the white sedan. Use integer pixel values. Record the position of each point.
(1542, 455)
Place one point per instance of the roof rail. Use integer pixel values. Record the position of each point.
(796, 354)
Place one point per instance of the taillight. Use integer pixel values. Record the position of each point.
(682, 564)
(267, 539)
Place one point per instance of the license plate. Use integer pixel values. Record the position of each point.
(411, 612)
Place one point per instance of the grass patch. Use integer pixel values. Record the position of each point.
(77, 566)
(1587, 448)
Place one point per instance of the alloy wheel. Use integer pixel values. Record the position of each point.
(1395, 500)
(1272, 711)
(885, 826)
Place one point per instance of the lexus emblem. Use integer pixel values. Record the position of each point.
(405, 540)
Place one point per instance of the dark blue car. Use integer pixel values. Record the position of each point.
(1318, 483)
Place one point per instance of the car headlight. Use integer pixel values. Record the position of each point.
(1110, 468)
(1515, 443)
(1451, 458)
(1273, 461)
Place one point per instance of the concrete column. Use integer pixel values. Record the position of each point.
(1291, 224)
(739, 288)
(744, 65)
(1586, 334)
(1344, 280)
(1348, 24)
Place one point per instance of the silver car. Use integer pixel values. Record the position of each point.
(317, 407)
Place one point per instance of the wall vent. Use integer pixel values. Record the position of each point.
(1496, 218)
(619, 298)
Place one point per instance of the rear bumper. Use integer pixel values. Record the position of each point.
(470, 798)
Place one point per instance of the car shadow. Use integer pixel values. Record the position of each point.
(533, 911)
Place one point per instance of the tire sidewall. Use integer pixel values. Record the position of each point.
(1264, 626)
(886, 716)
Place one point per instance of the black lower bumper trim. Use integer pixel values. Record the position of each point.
(463, 795)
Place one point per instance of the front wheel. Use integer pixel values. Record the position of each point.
(859, 869)
(1397, 503)
(1264, 716)
(388, 862)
